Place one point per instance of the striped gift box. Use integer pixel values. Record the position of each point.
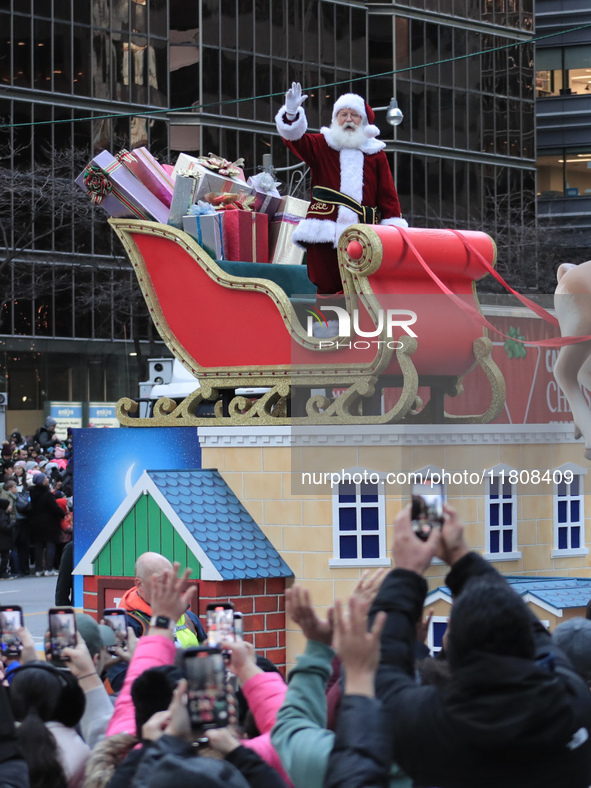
(109, 184)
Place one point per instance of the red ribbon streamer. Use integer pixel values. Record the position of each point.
(556, 342)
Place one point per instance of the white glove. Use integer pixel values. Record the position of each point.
(294, 99)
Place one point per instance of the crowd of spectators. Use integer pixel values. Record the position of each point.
(366, 706)
(36, 502)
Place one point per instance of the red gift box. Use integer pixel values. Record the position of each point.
(246, 236)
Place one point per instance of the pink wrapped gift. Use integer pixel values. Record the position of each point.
(147, 170)
(246, 236)
(109, 184)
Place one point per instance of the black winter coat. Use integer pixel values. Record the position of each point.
(45, 438)
(163, 764)
(500, 721)
(360, 757)
(6, 531)
(45, 516)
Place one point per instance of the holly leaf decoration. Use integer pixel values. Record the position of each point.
(515, 349)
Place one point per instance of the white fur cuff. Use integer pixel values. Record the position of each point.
(394, 221)
(291, 131)
(315, 231)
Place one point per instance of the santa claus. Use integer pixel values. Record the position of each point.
(351, 179)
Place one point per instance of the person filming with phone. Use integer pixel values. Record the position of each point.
(137, 604)
(514, 713)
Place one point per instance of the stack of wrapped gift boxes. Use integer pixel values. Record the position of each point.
(208, 197)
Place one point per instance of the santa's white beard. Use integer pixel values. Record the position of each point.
(348, 137)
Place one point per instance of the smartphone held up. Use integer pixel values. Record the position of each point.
(11, 618)
(207, 688)
(114, 617)
(427, 508)
(62, 633)
(223, 623)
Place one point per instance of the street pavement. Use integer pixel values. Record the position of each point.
(35, 595)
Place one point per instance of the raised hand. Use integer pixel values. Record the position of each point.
(242, 659)
(178, 723)
(453, 545)
(171, 594)
(358, 649)
(299, 608)
(369, 585)
(294, 98)
(410, 552)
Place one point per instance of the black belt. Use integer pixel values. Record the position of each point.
(367, 215)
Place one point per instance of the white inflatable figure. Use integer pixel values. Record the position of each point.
(572, 302)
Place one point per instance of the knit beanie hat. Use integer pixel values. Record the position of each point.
(361, 107)
(39, 479)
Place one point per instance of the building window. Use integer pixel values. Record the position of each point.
(501, 516)
(359, 522)
(569, 513)
(563, 71)
(437, 628)
(565, 173)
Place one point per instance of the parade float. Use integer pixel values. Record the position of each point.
(411, 382)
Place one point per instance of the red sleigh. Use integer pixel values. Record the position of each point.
(235, 325)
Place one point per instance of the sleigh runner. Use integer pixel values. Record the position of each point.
(236, 325)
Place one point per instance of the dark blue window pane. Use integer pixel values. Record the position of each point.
(575, 513)
(348, 546)
(562, 538)
(507, 514)
(494, 514)
(507, 541)
(494, 541)
(346, 492)
(369, 518)
(370, 546)
(507, 491)
(439, 628)
(561, 511)
(574, 486)
(369, 493)
(561, 489)
(575, 537)
(494, 487)
(347, 519)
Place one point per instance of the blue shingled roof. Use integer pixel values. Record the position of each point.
(560, 592)
(220, 524)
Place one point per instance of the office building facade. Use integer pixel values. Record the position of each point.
(563, 89)
(178, 76)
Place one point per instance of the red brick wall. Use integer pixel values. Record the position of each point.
(261, 601)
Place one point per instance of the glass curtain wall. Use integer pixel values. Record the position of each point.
(456, 111)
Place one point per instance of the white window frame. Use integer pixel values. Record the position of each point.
(383, 559)
(514, 555)
(570, 552)
(430, 637)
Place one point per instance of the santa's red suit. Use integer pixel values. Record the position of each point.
(361, 173)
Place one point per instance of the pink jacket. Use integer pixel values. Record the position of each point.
(265, 693)
(151, 651)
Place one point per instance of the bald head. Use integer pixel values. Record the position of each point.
(146, 566)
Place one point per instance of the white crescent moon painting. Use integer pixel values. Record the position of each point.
(128, 482)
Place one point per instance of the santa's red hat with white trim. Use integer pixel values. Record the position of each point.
(361, 107)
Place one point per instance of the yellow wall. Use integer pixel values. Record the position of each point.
(300, 527)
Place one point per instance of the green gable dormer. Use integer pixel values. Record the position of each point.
(145, 527)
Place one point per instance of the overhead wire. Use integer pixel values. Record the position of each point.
(194, 107)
